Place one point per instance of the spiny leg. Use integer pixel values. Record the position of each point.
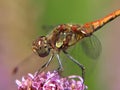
(76, 62)
(45, 65)
(60, 68)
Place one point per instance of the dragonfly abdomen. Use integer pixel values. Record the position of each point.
(101, 22)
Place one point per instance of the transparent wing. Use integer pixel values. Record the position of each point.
(91, 46)
(48, 27)
(32, 64)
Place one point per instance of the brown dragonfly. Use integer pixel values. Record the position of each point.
(64, 36)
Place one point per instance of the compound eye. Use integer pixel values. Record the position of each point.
(41, 47)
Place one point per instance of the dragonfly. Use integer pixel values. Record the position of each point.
(64, 36)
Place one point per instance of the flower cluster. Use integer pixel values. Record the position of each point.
(50, 81)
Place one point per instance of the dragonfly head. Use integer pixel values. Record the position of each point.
(41, 47)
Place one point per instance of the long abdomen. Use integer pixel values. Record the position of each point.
(95, 25)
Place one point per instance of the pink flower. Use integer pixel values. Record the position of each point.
(50, 81)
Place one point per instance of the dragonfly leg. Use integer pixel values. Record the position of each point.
(76, 62)
(60, 68)
(45, 65)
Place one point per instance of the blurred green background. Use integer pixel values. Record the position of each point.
(21, 22)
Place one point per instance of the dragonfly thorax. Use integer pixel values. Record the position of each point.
(65, 35)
